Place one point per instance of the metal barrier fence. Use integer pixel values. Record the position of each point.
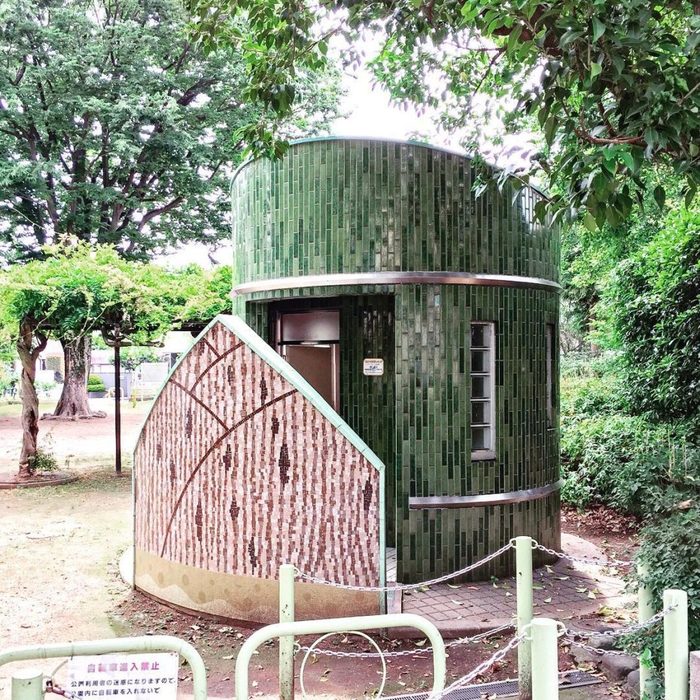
(535, 639)
(30, 686)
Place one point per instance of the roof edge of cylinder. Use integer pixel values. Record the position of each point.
(379, 139)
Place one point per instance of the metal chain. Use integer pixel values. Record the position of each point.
(464, 680)
(623, 631)
(407, 586)
(595, 650)
(406, 652)
(580, 560)
(481, 668)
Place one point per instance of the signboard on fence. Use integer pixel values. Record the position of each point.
(113, 676)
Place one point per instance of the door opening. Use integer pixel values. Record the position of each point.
(310, 342)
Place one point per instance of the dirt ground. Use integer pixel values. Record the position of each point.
(59, 580)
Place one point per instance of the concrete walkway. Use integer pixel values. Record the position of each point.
(564, 592)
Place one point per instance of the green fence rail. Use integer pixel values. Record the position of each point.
(30, 685)
(340, 624)
(536, 642)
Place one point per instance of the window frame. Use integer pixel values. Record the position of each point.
(550, 359)
(490, 374)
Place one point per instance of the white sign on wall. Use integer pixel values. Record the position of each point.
(112, 676)
(373, 367)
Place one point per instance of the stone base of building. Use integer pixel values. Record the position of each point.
(242, 598)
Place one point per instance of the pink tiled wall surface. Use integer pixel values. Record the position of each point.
(237, 472)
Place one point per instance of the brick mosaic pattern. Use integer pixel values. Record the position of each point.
(235, 471)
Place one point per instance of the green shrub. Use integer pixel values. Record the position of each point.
(591, 396)
(43, 461)
(95, 383)
(613, 459)
(669, 549)
(656, 308)
(592, 384)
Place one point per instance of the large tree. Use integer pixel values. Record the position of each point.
(76, 290)
(116, 129)
(612, 84)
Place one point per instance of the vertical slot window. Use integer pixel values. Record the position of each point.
(482, 379)
(550, 349)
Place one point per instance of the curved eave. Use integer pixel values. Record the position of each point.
(378, 139)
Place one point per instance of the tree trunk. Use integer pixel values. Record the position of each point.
(28, 355)
(74, 398)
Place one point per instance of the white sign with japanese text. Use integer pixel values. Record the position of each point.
(373, 367)
(111, 676)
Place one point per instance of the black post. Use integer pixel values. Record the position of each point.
(117, 404)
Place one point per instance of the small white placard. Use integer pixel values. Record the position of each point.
(373, 366)
(120, 675)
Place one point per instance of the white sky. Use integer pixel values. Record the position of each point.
(370, 113)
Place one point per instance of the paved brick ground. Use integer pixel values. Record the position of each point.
(564, 591)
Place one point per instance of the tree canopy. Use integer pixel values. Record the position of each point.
(78, 289)
(611, 86)
(655, 301)
(116, 129)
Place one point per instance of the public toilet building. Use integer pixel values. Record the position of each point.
(382, 405)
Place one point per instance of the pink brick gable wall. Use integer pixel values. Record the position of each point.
(236, 472)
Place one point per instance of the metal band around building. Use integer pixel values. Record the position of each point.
(397, 277)
(486, 499)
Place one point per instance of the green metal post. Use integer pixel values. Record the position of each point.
(676, 645)
(545, 659)
(645, 611)
(523, 583)
(28, 685)
(286, 575)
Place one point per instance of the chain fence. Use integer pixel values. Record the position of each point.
(572, 637)
(407, 586)
(395, 587)
(484, 666)
(404, 652)
(588, 561)
(634, 628)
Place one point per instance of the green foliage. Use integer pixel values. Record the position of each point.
(612, 456)
(43, 461)
(209, 293)
(116, 129)
(77, 290)
(669, 548)
(613, 459)
(8, 379)
(655, 304)
(590, 259)
(611, 86)
(95, 383)
(639, 465)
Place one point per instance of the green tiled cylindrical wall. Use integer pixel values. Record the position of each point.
(345, 206)
(350, 205)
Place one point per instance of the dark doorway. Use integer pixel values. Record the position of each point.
(310, 341)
